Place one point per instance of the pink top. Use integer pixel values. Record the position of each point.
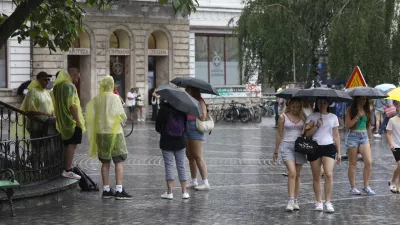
(191, 117)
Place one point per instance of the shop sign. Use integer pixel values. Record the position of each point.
(119, 51)
(79, 51)
(237, 91)
(157, 52)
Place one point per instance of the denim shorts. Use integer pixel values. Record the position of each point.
(355, 139)
(191, 131)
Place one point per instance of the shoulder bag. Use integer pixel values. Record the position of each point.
(305, 145)
(205, 126)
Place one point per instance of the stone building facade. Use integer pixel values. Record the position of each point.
(140, 43)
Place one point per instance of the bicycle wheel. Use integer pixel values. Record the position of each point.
(263, 111)
(231, 115)
(245, 115)
(257, 117)
(127, 127)
(219, 116)
(271, 112)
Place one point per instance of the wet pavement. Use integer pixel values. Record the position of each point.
(247, 187)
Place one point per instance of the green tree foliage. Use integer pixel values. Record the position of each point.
(361, 33)
(56, 23)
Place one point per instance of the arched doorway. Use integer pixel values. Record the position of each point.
(158, 63)
(79, 57)
(119, 51)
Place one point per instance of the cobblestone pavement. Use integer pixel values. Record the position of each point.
(247, 187)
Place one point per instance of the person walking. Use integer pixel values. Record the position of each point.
(385, 118)
(131, 103)
(104, 115)
(69, 117)
(279, 106)
(194, 149)
(290, 126)
(393, 136)
(359, 141)
(323, 127)
(155, 103)
(139, 105)
(170, 123)
(378, 108)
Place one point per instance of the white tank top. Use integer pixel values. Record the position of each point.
(291, 130)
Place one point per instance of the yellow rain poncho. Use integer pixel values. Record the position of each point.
(38, 100)
(104, 115)
(64, 96)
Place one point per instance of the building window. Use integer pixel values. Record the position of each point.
(216, 59)
(3, 67)
(114, 41)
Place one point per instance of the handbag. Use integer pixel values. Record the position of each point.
(305, 145)
(390, 111)
(205, 126)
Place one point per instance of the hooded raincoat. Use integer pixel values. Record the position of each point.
(65, 95)
(104, 115)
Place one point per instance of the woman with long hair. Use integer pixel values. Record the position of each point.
(323, 127)
(194, 147)
(290, 126)
(359, 141)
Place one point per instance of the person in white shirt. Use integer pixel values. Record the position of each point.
(131, 102)
(393, 136)
(323, 127)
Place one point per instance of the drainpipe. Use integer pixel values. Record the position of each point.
(31, 55)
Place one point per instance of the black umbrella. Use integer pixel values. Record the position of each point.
(197, 83)
(287, 93)
(368, 92)
(179, 99)
(330, 94)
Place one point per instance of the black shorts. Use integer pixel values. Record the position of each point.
(75, 139)
(323, 151)
(115, 159)
(131, 109)
(396, 154)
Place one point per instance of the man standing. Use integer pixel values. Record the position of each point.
(130, 102)
(104, 115)
(70, 122)
(393, 136)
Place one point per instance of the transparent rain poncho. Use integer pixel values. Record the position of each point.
(104, 115)
(65, 95)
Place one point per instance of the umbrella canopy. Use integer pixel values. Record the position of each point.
(179, 99)
(385, 87)
(287, 93)
(394, 94)
(368, 92)
(330, 94)
(197, 83)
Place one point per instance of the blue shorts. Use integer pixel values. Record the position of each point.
(191, 131)
(355, 139)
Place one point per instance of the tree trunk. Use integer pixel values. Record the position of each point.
(17, 19)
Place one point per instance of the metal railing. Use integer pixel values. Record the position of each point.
(34, 155)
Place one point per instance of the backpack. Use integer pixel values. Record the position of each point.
(175, 125)
(85, 183)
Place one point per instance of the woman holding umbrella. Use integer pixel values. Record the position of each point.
(194, 149)
(359, 139)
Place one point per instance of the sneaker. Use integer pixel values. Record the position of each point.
(71, 175)
(192, 185)
(203, 187)
(392, 187)
(296, 205)
(168, 196)
(329, 207)
(290, 206)
(377, 135)
(185, 195)
(108, 194)
(138, 120)
(286, 173)
(369, 191)
(355, 191)
(319, 206)
(122, 195)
